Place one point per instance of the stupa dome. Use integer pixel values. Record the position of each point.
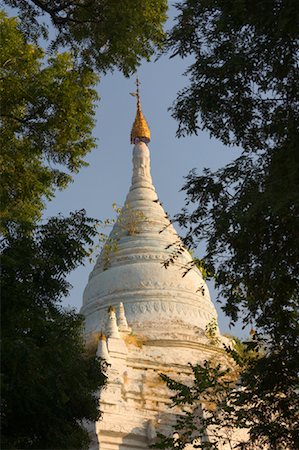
(131, 268)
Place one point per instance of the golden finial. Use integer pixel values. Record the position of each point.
(140, 130)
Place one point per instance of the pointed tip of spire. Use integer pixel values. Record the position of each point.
(140, 129)
(123, 324)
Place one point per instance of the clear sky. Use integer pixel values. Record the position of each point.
(107, 178)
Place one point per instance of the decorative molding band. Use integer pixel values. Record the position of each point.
(155, 310)
(144, 289)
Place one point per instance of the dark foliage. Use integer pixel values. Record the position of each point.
(49, 382)
(244, 90)
(104, 34)
(244, 407)
(244, 79)
(47, 118)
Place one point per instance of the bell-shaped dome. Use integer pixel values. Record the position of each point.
(159, 298)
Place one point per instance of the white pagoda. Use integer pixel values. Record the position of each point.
(150, 319)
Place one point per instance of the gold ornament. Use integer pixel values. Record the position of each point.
(140, 129)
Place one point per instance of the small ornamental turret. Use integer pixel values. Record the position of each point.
(102, 350)
(112, 328)
(140, 130)
(123, 324)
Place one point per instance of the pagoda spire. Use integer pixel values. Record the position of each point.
(140, 130)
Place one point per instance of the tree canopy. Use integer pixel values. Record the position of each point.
(244, 90)
(49, 381)
(244, 87)
(235, 406)
(47, 118)
(100, 33)
(244, 78)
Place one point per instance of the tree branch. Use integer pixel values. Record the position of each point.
(49, 10)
